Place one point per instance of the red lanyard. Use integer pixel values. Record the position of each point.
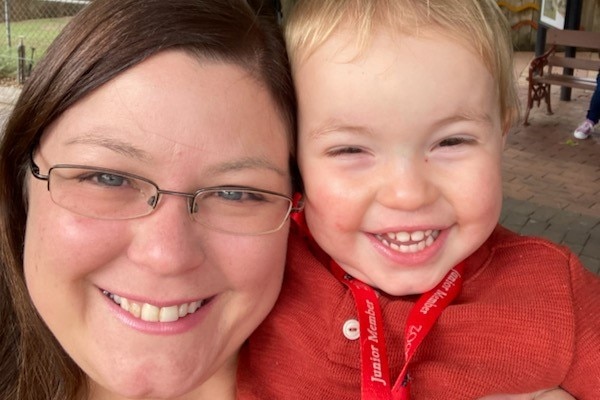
(375, 375)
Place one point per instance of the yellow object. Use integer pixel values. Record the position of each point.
(519, 8)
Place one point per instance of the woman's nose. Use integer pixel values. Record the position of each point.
(168, 240)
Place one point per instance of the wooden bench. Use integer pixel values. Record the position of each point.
(542, 72)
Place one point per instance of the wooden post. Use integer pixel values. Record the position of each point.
(572, 21)
(7, 22)
(21, 61)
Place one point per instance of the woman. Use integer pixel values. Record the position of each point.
(144, 205)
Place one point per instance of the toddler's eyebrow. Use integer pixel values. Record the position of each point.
(339, 127)
(475, 116)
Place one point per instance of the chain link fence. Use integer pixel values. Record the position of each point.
(27, 29)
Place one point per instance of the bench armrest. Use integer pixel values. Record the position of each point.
(536, 67)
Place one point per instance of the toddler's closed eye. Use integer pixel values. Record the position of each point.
(455, 141)
(339, 151)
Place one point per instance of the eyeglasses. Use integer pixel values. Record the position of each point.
(114, 195)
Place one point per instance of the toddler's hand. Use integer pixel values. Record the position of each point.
(547, 394)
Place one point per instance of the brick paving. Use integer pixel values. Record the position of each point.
(551, 180)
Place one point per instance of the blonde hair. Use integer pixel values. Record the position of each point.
(479, 23)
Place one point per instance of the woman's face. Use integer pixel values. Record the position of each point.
(183, 124)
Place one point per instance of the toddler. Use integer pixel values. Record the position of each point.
(400, 282)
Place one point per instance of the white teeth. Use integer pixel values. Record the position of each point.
(420, 240)
(403, 237)
(135, 309)
(169, 314)
(429, 240)
(124, 304)
(151, 313)
(182, 310)
(417, 236)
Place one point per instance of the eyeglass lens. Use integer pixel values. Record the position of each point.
(109, 195)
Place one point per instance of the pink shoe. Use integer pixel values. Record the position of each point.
(584, 130)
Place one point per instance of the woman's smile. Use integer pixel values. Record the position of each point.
(154, 313)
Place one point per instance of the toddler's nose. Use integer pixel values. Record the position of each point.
(406, 186)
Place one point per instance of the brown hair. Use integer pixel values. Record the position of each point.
(104, 39)
(479, 23)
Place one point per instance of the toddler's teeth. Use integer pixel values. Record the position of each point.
(409, 242)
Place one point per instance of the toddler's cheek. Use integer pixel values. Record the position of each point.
(546, 394)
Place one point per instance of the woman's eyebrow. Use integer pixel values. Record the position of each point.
(114, 144)
(247, 163)
(128, 149)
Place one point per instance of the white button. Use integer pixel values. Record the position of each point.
(351, 329)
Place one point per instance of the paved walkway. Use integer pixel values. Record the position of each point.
(551, 181)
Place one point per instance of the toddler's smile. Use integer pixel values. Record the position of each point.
(409, 242)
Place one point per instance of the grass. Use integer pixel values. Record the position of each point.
(36, 34)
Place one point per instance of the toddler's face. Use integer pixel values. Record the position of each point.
(400, 151)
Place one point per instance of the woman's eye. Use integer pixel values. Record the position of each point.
(239, 195)
(455, 141)
(230, 195)
(105, 179)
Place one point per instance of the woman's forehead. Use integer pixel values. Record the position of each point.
(175, 97)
